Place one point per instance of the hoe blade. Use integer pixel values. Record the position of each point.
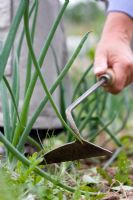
(74, 151)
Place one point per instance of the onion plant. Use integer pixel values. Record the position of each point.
(17, 125)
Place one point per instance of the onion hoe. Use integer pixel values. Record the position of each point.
(80, 148)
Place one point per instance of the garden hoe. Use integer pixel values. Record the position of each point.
(80, 148)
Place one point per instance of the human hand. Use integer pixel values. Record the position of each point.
(113, 51)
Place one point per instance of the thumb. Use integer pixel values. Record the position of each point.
(100, 64)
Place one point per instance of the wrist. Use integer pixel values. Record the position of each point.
(118, 25)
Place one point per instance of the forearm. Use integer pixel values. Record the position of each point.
(118, 24)
(113, 50)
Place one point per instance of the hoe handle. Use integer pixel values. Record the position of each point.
(109, 78)
(104, 80)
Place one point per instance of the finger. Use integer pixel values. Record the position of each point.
(100, 64)
(120, 79)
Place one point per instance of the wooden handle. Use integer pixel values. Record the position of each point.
(109, 77)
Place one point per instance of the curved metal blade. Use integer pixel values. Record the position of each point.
(74, 151)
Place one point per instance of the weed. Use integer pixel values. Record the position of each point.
(105, 175)
(123, 171)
